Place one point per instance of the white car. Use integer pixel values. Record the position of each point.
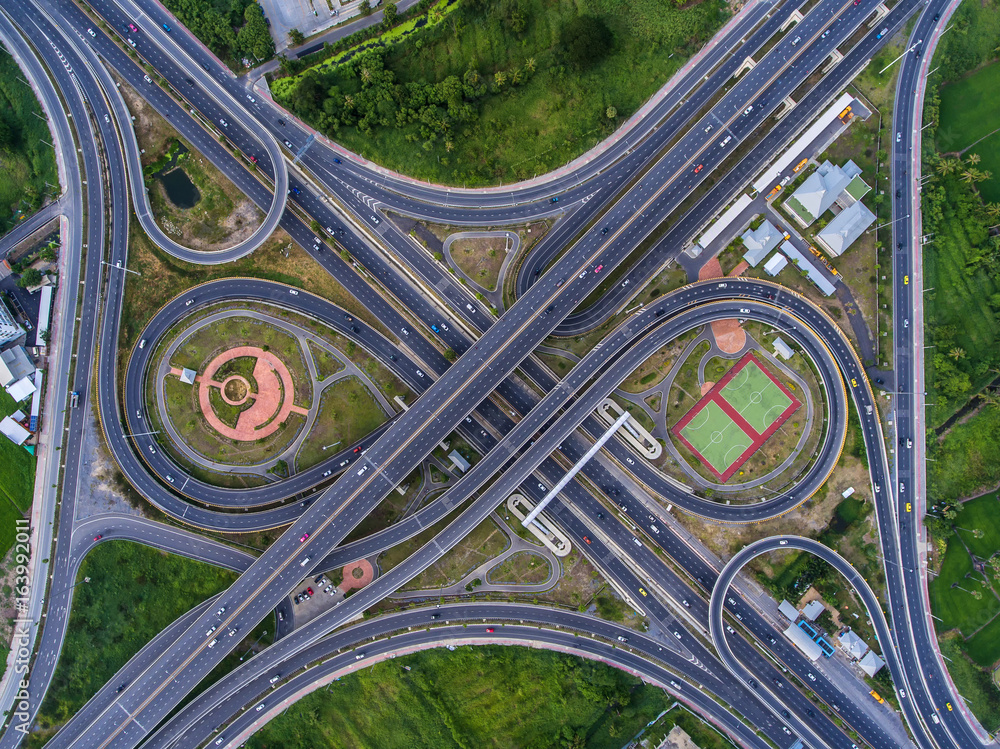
(260, 707)
(91, 32)
(252, 100)
(293, 292)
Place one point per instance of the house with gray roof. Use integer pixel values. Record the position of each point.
(760, 241)
(845, 228)
(820, 191)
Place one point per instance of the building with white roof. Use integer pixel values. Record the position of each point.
(15, 364)
(820, 190)
(813, 609)
(803, 642)
(13, 431)
(853, 645)
(845, 228)
(21, 389)
(789, 611)
(188, 376)
(807, 266)
(44, 312)
(782, 349)
(761, 241)
(9, 329)
(776, 264)
(871, 664)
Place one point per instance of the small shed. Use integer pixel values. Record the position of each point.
(188, 376)
(782, 349)
(813, 609)
(774, 266)
(458, 461)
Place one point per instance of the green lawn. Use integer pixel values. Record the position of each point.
(471, 697)
(717, 438)
(961, 311)
(756, 397)
(984, 646)
(133, 593)
(956, 608)
(970, 114)
(475, 128)
(967, 460)
(26, 159)
(974, 684)
(348, 411)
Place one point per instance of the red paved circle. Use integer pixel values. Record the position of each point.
(272, 403)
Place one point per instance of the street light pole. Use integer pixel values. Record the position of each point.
(333, 445)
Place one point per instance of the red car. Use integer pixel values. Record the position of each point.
(98, 537)
(586, 539)
(699, 168)
(490, 630)
(302, 540)
(357, 449)
(132, 28)
(598, 269)
(253, 159)
(309, 591)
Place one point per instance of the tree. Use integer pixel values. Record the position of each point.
(611, 113)
(586, 40)
(957, 353)
(31, 277)
(295, 36)
(389, 16)
(316, 226)
(365, 8)
(974, 158)
(450, 355)
(254, 38)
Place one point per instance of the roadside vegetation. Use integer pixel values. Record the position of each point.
(133, 593)
(192, 201)
(235, 30)
(961, 211)
(472, 696)
(27, 160)
(17, 481)
(501, 90)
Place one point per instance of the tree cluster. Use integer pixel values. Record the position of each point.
(233, 33)
(369, 96)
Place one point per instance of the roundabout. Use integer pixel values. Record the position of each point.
(245, 391)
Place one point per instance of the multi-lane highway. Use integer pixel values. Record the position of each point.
(697, 126)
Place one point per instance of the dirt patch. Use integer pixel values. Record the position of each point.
(729, 336)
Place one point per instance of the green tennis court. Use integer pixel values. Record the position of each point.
(717, 438)
(756, 397)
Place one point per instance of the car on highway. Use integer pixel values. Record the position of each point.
(948, 705)
(642, 592)
(586, 539)
(326, 473)
(130, 42)
(686, 603)
(166, 28)
(251, 99)
(98, 537)
(221, 611)
(337, 161)
(489, 630)
(274, 679)
(233, 631)
(604, 230)
(303, 537)
(132, 28)
(909, 508)
(288, 144)
(91, 32)
(699, 168)
(598, 269)
(906, 280)
(553, 200)
(748, 110)
(260, 707)
(725, 141)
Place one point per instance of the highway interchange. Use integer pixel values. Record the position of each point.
(476, 394)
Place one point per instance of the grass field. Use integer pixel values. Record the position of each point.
(756, 397)
(538, 117)
(133, 593)
(968, 459)
(26, 158)
(471, 697)
(970, 114)
(348, 411)
(977, 532)
(974, 684)
(716, 437)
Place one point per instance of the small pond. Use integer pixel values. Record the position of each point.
(181, 191)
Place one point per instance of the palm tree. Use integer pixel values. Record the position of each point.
(500, 78)
(529, 64)
(366, 75)
(993, 210)
(349, 101)
(945, 166)
(974, 158)
(957, 353)
(969, 175)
